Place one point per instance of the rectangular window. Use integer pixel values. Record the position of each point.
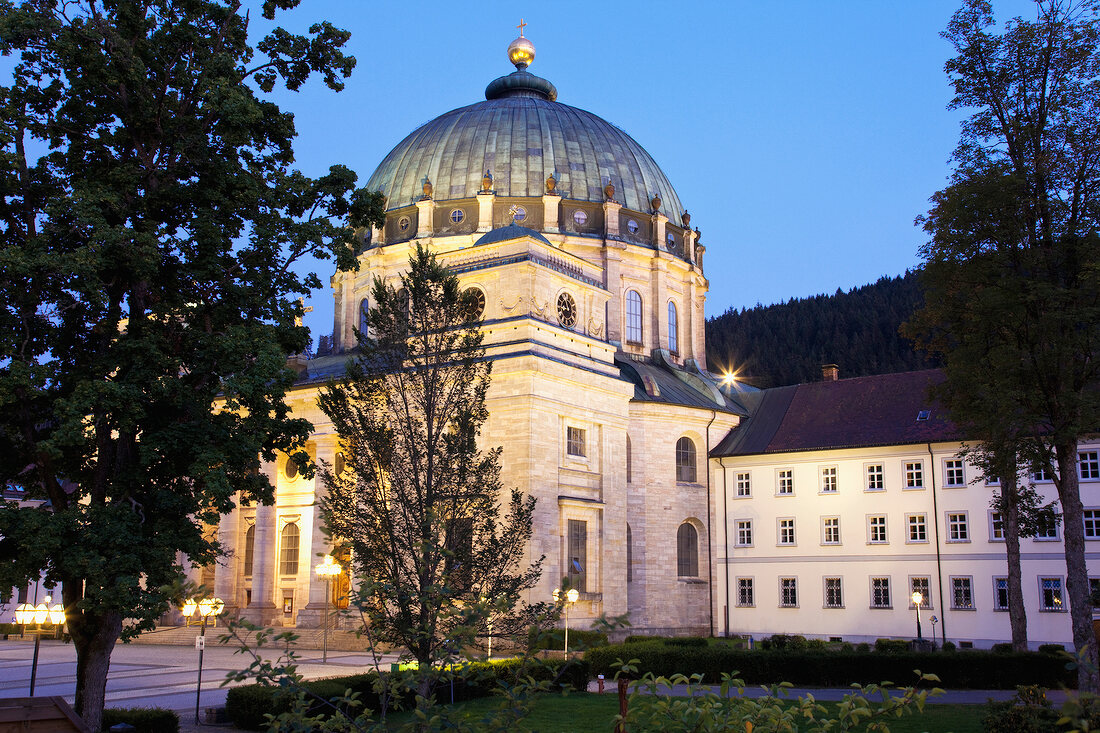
(958, 527)
(962, 593)
(744, 485)
(788, 592)
(785, 482)
(921, 584)
(875, 477)
(1046, 526)
(1088, 465)
(992, 481)
(917, 525)
(1041, 475)
(834, 597)
(996, 527)
(876, 529)
(786, 532)
(830, 530)
(574, 441)
(1094, 594)
(745, 596)
(1092, 524)
(578, 554)
(1000, 593)
(953, 475)
(828, 480)
(744, 533)
(880, 593)
(914, 475)
(1050, 594)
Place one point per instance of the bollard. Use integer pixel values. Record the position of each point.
(599, 681)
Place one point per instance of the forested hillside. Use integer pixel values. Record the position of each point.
(787, 343)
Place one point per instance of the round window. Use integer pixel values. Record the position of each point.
(457, 215)
(338, 464)
(519, 214)
(567, 310)
(632, 226)
(403, 223)
(474, 301)
(580, 217)
(291, 468)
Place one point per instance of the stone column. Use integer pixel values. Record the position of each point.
(551, 206)
(227, 569)
(485, 211)
(262, 609)
(611, 219)
(425, 209)
(311, 615)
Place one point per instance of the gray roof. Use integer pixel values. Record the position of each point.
(658, 380)
(511, 231)
(522, 139)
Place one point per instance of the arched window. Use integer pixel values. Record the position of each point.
(687, 551)
(633, 317)
(249, 549)
(685, 461)
(288, 544)
(629, 555)
(629, 476)
(673, 326)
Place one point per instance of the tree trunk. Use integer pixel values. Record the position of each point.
(1017, 613)
(1077, 576)
(94, 637)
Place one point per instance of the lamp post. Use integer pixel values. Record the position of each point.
(918, 598)
(42, 614)
(934, 620)
(328, 570)
(568, 598)
(205, 608)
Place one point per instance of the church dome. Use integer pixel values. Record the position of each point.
(521, 135)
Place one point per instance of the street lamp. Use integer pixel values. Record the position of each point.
(205, 608)
(568, 598)
(918, 598)
(328, 570)
(42, 614)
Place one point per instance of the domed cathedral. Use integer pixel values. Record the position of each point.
(592, 290)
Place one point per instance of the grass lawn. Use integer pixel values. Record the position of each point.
(590, 713)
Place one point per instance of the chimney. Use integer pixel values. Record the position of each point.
(830, 372)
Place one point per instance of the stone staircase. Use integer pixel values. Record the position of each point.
(338, 639)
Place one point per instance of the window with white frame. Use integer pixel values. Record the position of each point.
(745, 595)
(743, 482)
(834, 595)
(1092, 524)
(1050, 594)
(875, 477)
(992, 481)
(917, 527)
(744, 533)
(921, 584)
(1041, 474)
(876, 529)
(1000, 593)
(828, 480)
(633, 317)
(953, 474)
(1046, 526)
(574, 442)
(880, 593)
(1094, 593)
(830, 530)
(788, 592)
(996, 527)
(962, 593)
(784, 482)
(958, 527)
(786, 531)
(1088, 465)
(914, 474)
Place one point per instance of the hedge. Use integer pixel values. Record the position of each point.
(144, 720)
(555, 639)
(967, 670)
(246, 705)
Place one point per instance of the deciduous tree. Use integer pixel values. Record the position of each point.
(148, 225)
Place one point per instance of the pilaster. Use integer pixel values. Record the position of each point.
(659, 222)
(262, 609)
(611, 219)
(225, 572)
(551, 207)
(689, 245)
(485, 211)
(425, 209)
(317, 601)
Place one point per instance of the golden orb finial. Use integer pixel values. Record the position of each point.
(521, 51)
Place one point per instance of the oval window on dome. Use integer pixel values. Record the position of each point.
(567, 310)
(403, 223)
(519, 213)
(580, 217)
(632, 226)
(457, 215)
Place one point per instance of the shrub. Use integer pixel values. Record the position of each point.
(1027, 712)
(579, 639)
(863, 647)
(846, 646)
(144, 720)
(1001, 648)
(816, 645)
(949, 646)
(891, 646)
(791, 642)
(1051, 649)
(686, 641)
